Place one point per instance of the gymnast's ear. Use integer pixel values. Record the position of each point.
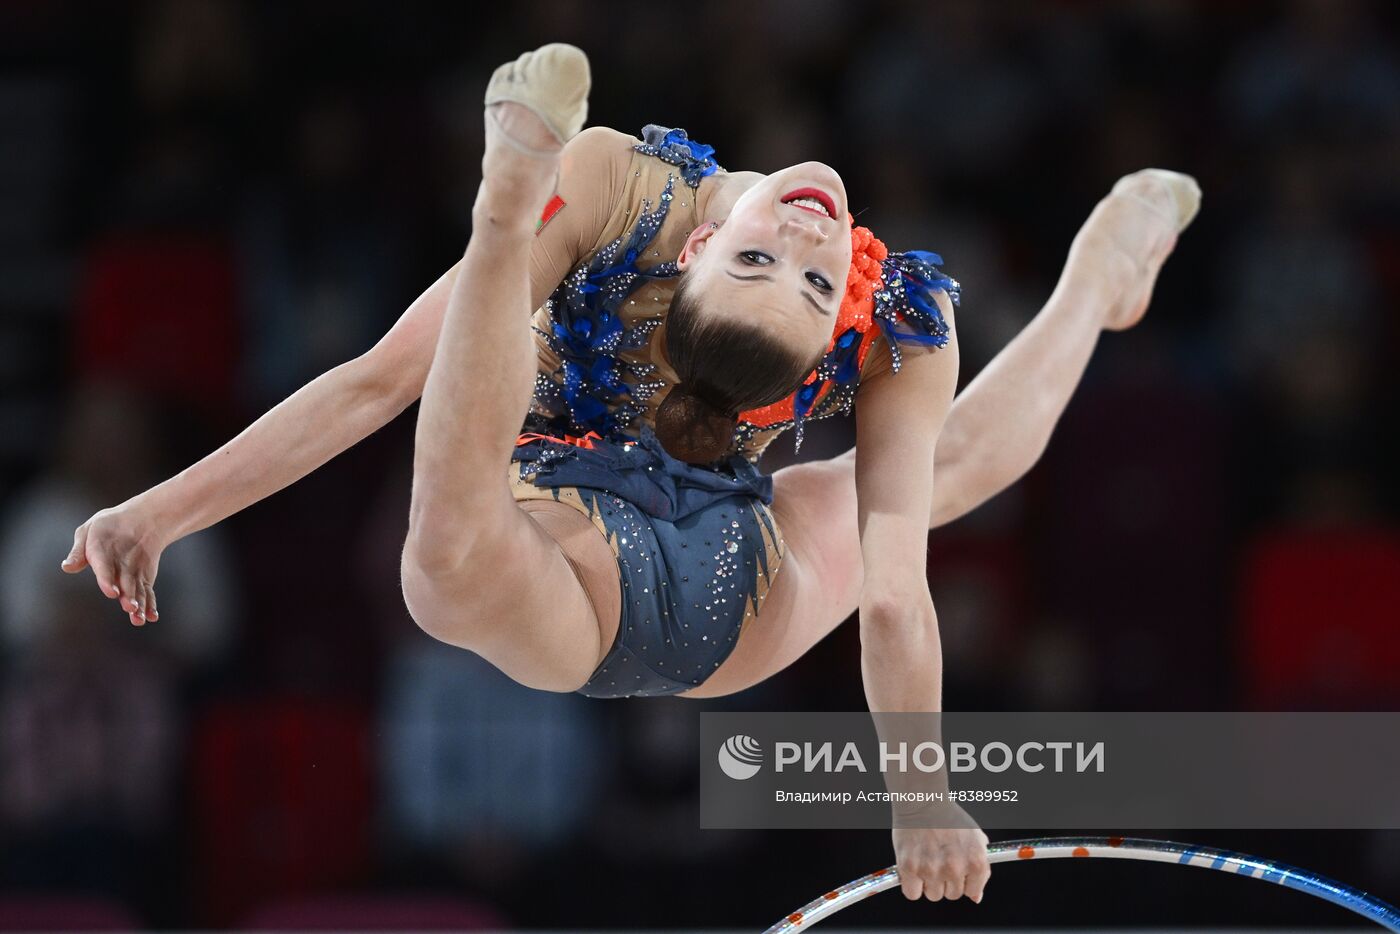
(695, 244)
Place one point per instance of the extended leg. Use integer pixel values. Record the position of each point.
(478, 572)
(1000, 423)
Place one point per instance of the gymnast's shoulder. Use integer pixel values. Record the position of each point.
(599, 155)
(592, 181)
(599, 145)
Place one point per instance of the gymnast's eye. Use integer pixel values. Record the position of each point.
(819, 281)
(756, 258)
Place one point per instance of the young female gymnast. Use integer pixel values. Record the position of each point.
(682, 316)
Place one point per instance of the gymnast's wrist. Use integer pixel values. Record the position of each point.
(165, 513)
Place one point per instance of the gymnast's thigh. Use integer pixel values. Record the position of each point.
(818, 583)
(520, 603)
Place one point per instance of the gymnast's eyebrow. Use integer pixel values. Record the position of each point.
(766, 278)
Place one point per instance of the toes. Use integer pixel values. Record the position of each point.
(1188, 198)
(1186, 194)
(554, 80)
(1173, 194)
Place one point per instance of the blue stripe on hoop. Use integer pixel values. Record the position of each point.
(1185, 858)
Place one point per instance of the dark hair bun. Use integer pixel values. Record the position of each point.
(692, 430)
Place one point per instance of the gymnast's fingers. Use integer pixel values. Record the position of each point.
(979, 872)
(77, 557)
(102, 569)
(931, 876)
(951, 876)
(132, 589)
(911, 884)
(148, 603)
(142, 599)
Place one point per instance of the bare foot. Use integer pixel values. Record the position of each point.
(1129, 235)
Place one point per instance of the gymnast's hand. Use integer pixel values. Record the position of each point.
(936, 863)
(123, 547)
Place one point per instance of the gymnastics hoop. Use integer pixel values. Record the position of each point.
(1155, 851)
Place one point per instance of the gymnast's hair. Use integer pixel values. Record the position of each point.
(724, 367)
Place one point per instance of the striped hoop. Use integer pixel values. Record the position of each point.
(1157, 851)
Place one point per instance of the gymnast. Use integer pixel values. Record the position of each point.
(628, 329)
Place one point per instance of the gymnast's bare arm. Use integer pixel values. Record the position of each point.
(898, 421)
(123, 544)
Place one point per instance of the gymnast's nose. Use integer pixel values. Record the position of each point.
(806, 231)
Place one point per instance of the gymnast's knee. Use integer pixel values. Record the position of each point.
(442, 601)
(452, 578)
(439, 576)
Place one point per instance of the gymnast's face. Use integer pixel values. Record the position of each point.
(780, 258)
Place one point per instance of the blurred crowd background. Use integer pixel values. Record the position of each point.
(206, 203)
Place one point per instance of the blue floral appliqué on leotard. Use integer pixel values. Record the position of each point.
(587, 331)
(695, 160)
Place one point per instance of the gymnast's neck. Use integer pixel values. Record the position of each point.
(717, 193)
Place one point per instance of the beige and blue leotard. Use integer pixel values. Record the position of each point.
(697, 547)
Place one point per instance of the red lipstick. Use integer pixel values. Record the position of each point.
(816, 194)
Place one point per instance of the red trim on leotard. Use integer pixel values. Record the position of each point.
(582, 441)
